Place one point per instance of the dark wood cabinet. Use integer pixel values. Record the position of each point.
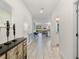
(20, 51)
(17, 50)
(3, 57)
(25, 49)
(12, 54)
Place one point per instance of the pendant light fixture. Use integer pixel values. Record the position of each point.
(41, 10)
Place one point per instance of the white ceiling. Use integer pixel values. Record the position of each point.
(34, 7)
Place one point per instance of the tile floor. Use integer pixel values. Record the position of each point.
(42, 49)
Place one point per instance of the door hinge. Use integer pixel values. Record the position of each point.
(76, 34)
(76, 57)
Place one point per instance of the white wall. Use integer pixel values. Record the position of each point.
(5, 14)
(19, 15)
(65, 11)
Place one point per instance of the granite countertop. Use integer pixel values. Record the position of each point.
(6, 48)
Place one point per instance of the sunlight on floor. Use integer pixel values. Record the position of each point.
(42, 49)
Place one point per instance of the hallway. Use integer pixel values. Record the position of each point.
(22, 20)
(42, 49)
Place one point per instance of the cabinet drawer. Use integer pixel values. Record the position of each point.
(2, 57)
(25, 49)
(25, 46)
(12, 54)
(20, 51)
